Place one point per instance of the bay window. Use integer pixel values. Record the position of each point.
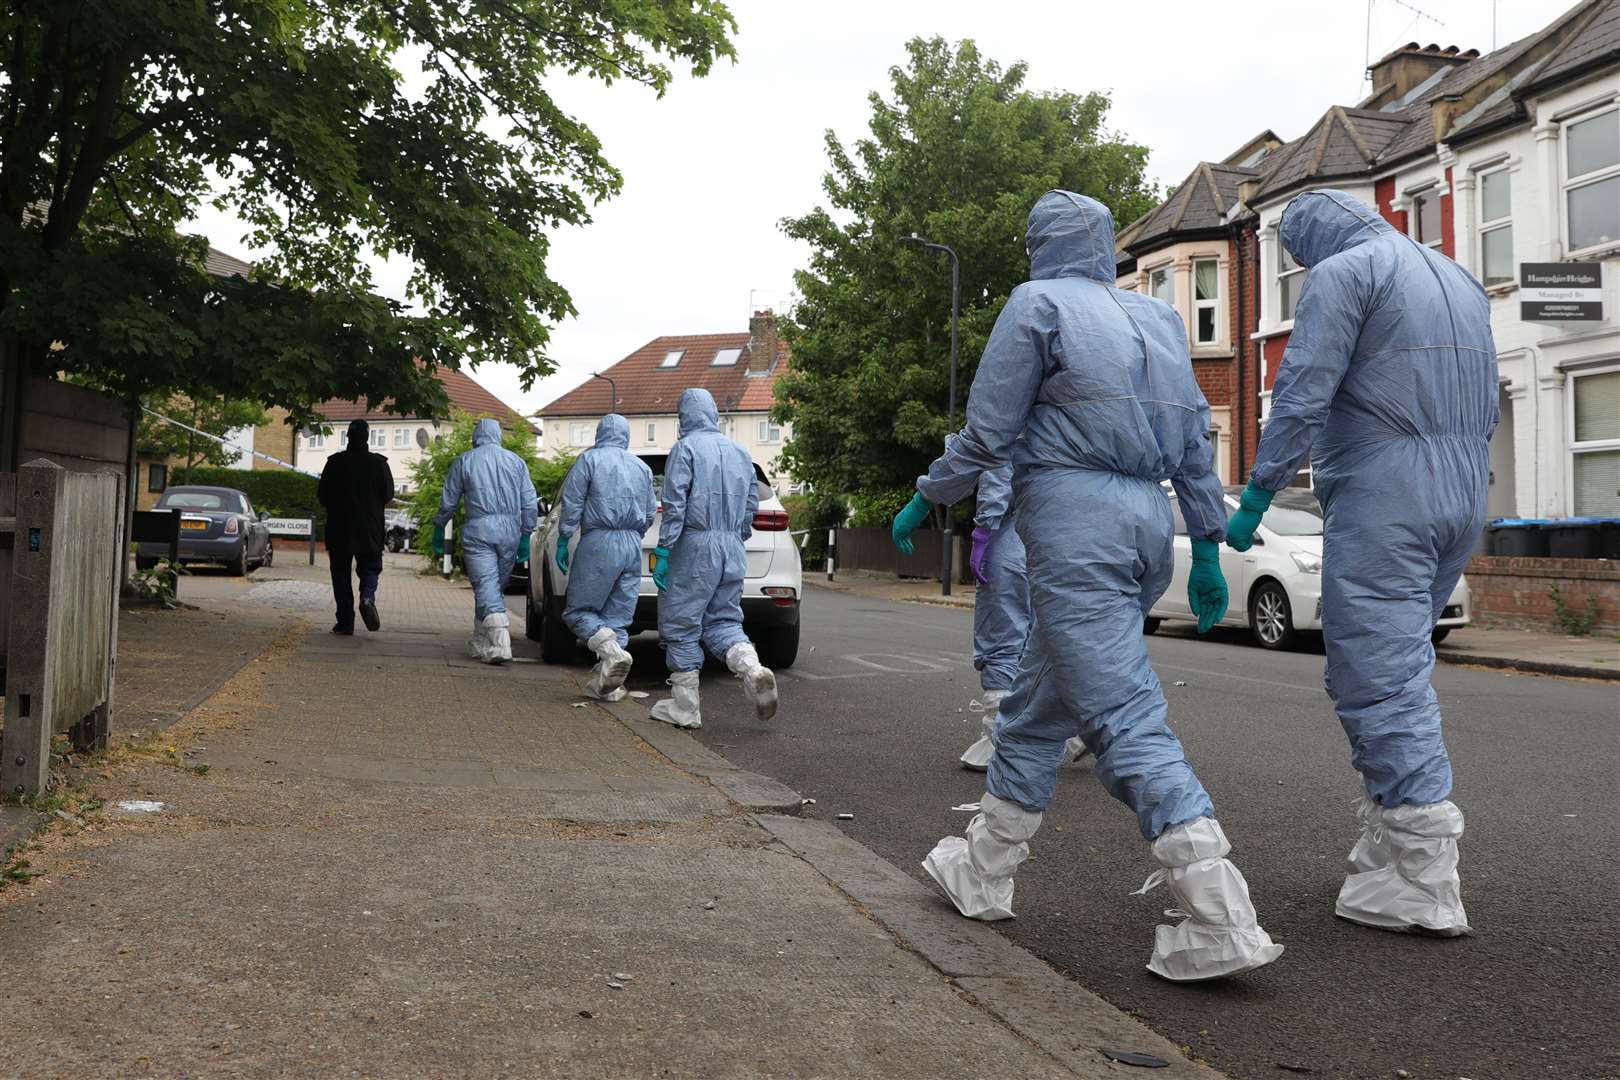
(1290, 282)
(1161, 284)
(1496, 227)
(1206, 301)
(1595, 444)
(1592, 181)
(1425, 224)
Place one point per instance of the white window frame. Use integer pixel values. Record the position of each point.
(1169, 271)
(1414, 214)
(402, 438)
(672, 358)
(651, 432)
(769, 432)
(1198, 305)
(726, 357)
(377, 438)
(1284, 271)
(1568, 183)
(575, 427)
(1484, 226)
(315, 440)
(343, 438)
(1578, 448)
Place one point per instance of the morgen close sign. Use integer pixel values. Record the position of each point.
(1561, 292)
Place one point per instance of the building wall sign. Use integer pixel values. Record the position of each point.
(1561, 292)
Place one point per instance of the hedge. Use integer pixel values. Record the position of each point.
(272, 491)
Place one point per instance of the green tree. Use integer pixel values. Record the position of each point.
(958, 155)
(217, 416)
(310, 120)
(428, 475)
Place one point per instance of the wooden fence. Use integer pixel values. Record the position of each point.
(873, 549)
(59, 579)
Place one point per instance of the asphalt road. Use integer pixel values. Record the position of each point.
(875, 714)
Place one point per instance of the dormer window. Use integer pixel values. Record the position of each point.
(672, 358)
(725, 358)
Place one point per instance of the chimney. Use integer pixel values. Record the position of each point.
(761, 342)
(1398, 72)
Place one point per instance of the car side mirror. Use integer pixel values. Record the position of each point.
(264, 515)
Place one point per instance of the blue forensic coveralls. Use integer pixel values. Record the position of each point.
(501, 510)
(1389, 382)
(608, 499)
(1089, 391)
(709, 501)
(1001, 605)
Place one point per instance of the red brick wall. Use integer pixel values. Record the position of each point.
(1448, 225)
(1384, 196)
(1515, 592)
(1274, 348)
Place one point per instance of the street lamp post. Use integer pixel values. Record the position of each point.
(950, 412)
(612, 386)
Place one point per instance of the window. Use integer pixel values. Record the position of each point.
(672, 358)
(378, 438)
(1162, 284)
(1592, 180)
(1595, 445)
(579, 433)
(769, 432)
(157, 477)
(1206, 300)
(1496, 227)
(343, 438)
(652, 432)
(1290, 282)
(1425, 223)
(725, 358)
(402, 438)
(315, 440)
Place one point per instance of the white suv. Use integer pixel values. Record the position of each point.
(771, 590)
(1276, 586)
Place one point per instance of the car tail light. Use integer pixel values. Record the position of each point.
(780, 593)
(230, 526)
(771, 521)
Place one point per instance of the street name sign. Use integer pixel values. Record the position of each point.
(290, 526)
(1561, 292)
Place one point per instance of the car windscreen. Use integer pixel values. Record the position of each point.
(180, 499)
(1294, 512)
(655, 462)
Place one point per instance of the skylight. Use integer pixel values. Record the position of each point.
(672, 358)
(725, 358)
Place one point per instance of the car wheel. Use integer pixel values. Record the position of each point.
(778, 647)
(1151, 625)
(556, 640)
(238, 567)
(1271, 619)
(1439, 634)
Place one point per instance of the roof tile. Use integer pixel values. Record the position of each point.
(644, 388)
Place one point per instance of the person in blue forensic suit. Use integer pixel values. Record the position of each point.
(1389, 383)
(709, 501)
(1090, 392)
(608, 500)
(501, 510)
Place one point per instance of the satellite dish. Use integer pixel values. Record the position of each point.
(422, 437)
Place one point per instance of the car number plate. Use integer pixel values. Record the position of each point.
(184, 524)
(652, 561)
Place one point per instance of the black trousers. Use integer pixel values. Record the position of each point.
(369, 567)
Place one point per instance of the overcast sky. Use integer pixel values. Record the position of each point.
(711, 168)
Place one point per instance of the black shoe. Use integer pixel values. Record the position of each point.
(343, 631)
(368, 615)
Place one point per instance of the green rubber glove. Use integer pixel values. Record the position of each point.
(1206, 586)
(562, 553)
(1240, 530)
(523, 549)
(438, 541)
(906, 522)
(661, 568)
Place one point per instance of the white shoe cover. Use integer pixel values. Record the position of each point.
(681, 709)
(1074, 751)
(1416, 886)
(606, 681)
(977, 757)
(976, 872)
(492, 639)
(1372, 849)
(759, 681)
(1219, 934)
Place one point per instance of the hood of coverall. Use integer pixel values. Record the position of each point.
(488, 431)
(697, 411)
(1320, 224)
(614, 430)
(1070, 235)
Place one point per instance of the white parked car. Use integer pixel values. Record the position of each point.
(771, 590)
(1276, 586)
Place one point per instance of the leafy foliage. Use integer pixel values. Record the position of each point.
(877, 509)
(957, 155)
(119, 119)
(428, 475)
(816, 512)
(217, 416)
(276, 492)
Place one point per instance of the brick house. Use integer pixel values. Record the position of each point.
(739, 369)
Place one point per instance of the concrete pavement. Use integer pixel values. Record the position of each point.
(376, 857)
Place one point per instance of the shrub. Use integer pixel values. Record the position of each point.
(816, 512)
(876, 509)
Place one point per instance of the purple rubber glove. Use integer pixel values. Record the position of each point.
(979, 557)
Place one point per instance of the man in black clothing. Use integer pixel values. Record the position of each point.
(355, 487)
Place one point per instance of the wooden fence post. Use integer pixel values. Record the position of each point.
(30, 678)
